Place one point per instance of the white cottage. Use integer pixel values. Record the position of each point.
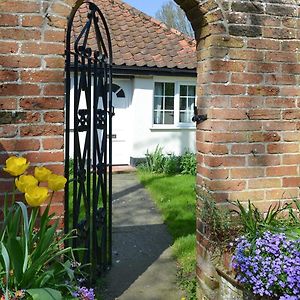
(154, 84)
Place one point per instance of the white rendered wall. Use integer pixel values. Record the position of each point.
(145, 135)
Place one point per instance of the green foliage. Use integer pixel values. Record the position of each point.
(172, 165)
(155, 161)
(32, 253)
(188, 163)
(255, 222)
(158, 162)
(175, 197)
(222, 226)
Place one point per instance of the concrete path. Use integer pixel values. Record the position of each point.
(143, 268)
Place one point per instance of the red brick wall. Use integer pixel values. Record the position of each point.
(32, 84)
(248, 85)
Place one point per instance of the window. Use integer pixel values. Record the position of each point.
(164, 93)
(173, 103)
(187, 103)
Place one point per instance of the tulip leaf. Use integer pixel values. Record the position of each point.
(45, 294)
(16, 255)
(26, 233)
(5, 257)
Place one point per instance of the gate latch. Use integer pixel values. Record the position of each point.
(198, 118)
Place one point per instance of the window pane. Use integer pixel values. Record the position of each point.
(158, 102)
(169, 89)
(191, 102)
(169, 103)
(158, 88)
(169, 117)
(185, 116)
(183, 90)
(158, 117)
(192, 90)
(182, 103)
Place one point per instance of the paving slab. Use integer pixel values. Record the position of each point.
(143, 267)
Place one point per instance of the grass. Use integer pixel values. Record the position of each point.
(175, 198)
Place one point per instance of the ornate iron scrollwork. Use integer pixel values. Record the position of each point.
(89, 111)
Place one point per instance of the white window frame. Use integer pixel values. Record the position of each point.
(177, 84)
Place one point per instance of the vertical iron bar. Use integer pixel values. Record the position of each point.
(67, 138)
(88, 165)
(95, 146)
(110, 167)
(76, 149)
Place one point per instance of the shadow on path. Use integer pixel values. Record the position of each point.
(142, 264)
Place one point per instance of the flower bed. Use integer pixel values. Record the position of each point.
(34, 263)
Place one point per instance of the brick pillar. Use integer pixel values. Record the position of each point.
(248, 85)
(32, 37)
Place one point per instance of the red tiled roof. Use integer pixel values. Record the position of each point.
(139, 40)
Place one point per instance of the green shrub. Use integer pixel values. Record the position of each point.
(188, 163)
(172, 164)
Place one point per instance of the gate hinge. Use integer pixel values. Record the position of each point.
(198, 118)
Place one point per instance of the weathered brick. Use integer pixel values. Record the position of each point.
(8, 75)
(12, 89)
(19, 34)
(264, 160)
(263, 90)
(42, 103)
(287, 193)
(42, 76)
(54, 90)
(20, 144)
(42, 48)
(54, 36)
(245, 78)
(277, 171)
(41, 130)
(8, 103)
(8, 20)
(246, 173)
(8, 131)
(32, 21)
(19, 6)
(16, 61)
(291, 182)
(55, 62)
(264, 183)
(283, 148)
(54, 117)
(8, 47)
(53, 143)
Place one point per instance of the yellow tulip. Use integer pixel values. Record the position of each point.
(16, 166)
(25, 181)
(41, 173)
(56, 182)
(35, 195)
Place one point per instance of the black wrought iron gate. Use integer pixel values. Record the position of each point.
(88, 138)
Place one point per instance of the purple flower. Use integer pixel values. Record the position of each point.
(269, 266)
(84, 293)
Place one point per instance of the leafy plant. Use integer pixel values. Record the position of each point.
(188, 163)
(33, 259)
(222, 225)
(155, 161)
(172, 164)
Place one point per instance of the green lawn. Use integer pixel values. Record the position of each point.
(175, 197)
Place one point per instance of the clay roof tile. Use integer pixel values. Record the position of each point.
(138, 39)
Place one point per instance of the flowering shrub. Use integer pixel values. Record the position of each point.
(34, 264)
(269, 266)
